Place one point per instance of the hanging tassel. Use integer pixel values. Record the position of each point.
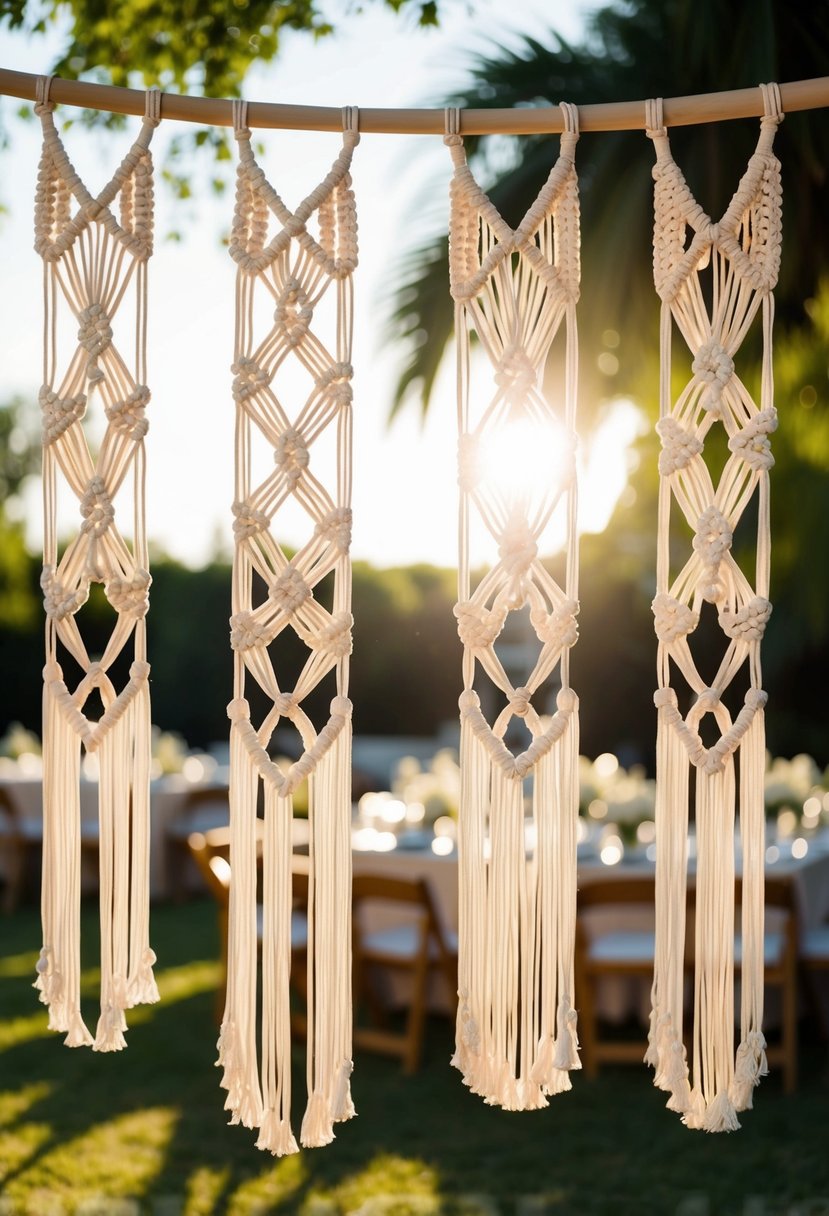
(666, 1052)
(714, 936)
(59, 965)
(277, 905)
(470, 1050)
(237, 1040)
(329, 938)
(141, 985)
(565, 808)
(113, 822)
(751, 1062)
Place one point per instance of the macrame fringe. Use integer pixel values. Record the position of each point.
(751, 1064)
(666, 1052)
(123, 821)
(141, 985)
(59, 965)
(516, 1036)
(714, 951)
(237, 1038)
(277, 909)
(329, 940)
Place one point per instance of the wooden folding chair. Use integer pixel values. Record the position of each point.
(211, 850)
(780, 965)
(630, 952)
(417, 944)
(204, 809)
(603, 952)
(814, 959)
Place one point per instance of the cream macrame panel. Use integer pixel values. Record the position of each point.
(92, 260)
(293, 272)
(516, 1028)
(741, 255)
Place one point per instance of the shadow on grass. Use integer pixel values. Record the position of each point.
(148, 1123)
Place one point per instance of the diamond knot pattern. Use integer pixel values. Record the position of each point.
(741, 253)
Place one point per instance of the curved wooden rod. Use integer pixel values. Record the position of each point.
(612, 116)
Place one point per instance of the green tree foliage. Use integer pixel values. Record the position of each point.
(18, 459)
(202, 46)
(405, 667)
(634, 49)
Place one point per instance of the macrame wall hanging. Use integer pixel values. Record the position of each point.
(92, 261)
(516, 1026)
(293, 272)
(742, 255)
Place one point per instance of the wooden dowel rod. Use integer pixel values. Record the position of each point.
(611, 116)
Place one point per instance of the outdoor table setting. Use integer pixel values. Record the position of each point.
(177, 773)
(410, 832)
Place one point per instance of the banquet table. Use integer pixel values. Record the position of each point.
(168, 799)
(618, 997)
(810, 875)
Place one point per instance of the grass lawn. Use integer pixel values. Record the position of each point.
(143, 1131)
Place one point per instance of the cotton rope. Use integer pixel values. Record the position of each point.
(742, 252)
(516, 1027)
(92, 259)
(293, 272)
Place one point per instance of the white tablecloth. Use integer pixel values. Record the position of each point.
(168, 796)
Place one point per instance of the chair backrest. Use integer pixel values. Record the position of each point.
(211, 858)
(211, 852)
(412, 893)
(614, 891)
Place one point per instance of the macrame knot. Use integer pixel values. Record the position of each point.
(664, 698)
(237, 710)
(248, 378)
(515, 374)
(246, 632)
(714, 367)
(469, 701)
(517, 550)
(708, 700)
(58, 601)
(519, 701)
(335, 527)
(290, 591)
(94, 335)
(469, 462)
(566, 701)
(128, 415)
(285, 704)
(248, 521)
(341, 707)
(752, 443)
(130, 596)
(559, 628)
(747, 624)
(679, 447)
(336, 371)
(338, 391)
(139, 670)
(478, 627)
(672, 619)
(96, 509)
(335, 637)
(52, 672)
(293, 313)
(712, 541)
(290, 454)
(59, 412)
